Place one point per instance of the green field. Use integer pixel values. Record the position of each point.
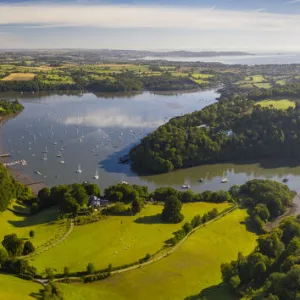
(281, 82)
(13, 288)
(201, 76)
(194, 266)
(255, 78)
(258, 81)
(278, 104)
(116, 240)
(263, 85)
(43, 224)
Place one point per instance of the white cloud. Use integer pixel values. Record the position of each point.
(293, 1)
(118, 16)
(112, 117)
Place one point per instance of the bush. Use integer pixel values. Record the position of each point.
(96, 277)
(28, 248)
(90, 268)
(144, 259)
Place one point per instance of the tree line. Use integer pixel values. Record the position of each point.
(123, 82)
(272, 270)
(11, 189)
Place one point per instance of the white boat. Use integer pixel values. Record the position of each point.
(46, 150)
(38, 172)
(45, 157)
(59, 154)
(55, 143)
(124, 182)
(96, 176)
(185, 186)
(62, 161)
(79, 170)
(224, 179)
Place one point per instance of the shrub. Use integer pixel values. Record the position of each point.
(28, 248)
(90, 268)
(95, 277)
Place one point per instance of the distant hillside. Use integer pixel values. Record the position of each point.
(199, 54)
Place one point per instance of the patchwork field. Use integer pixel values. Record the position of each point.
(19, 77)
(116, 240)
(43, 224)
(193, 267)
(278, 104)
(13, 288)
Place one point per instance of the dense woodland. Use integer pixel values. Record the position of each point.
(272, 270)
(231, 130)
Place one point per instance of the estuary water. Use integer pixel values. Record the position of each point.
(258, 59)
(73, 138)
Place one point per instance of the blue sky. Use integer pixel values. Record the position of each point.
(252, 25)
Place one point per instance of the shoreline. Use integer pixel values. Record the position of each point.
(17, 173)
(292, 211)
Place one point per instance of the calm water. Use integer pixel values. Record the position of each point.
(241, 59)
(94, 131)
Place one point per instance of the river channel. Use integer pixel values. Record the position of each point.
(89, 132)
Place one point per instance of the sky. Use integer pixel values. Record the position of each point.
(247, 25)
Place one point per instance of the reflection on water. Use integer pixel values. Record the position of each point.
(93, 131)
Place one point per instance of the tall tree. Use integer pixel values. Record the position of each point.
(172, 210)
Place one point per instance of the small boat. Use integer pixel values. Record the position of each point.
(124, 182)
(79, 170)
(46, 150)
(59, 154)
(62, 161)
(285, 180)
(55, 143)
(45, 157)
(96, 176)
(185, 186)
(38, 172)
(201, 180)
(224, 179)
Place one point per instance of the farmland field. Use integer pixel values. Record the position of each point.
(263, 85)
(117, 240)
(19, 77)
(13, 288)
(255, 78)
(194, 266)
(278, 104)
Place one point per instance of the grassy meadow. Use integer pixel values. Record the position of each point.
(277, 104)
(44, 225)
(192, 269)
(13, 288)
(116, 240)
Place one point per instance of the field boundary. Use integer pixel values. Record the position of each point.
(158, 256)
(52, 245)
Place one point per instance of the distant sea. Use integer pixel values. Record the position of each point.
(258, 59)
